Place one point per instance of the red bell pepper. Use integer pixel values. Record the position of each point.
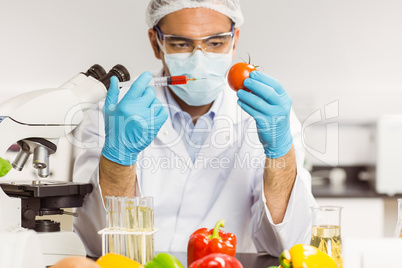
(203, 242)
(217, 260)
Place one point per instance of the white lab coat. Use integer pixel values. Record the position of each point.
(224, 182)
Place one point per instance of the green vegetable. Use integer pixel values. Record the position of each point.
(164, 260)
(5, 167)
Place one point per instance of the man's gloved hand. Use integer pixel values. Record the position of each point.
(270, 106)
(5, 167)
(133, 123)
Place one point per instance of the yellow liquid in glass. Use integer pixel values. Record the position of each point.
(327, 238)
(111, 223)
(132, 225)
(146, 223)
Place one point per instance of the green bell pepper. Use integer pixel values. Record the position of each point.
(5, 167)
(164, 260)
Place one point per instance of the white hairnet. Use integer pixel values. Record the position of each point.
(157, 9)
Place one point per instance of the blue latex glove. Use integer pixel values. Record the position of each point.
(133, 123)
(269, 104)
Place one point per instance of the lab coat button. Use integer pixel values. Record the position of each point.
(166, 132)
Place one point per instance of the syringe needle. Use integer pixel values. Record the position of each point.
(165, 81)
(195, 79)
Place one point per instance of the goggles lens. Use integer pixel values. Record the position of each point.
(220, 43)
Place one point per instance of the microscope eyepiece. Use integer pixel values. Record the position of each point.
(119, 71)
(96, 71)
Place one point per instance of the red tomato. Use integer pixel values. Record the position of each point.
(238, 73)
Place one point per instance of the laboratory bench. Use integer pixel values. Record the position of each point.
(353, 187)
(249, 260)
(365, 213)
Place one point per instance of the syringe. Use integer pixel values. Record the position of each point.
(164, 81)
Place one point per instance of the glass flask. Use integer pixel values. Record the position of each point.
(398, 229)
(326, 231)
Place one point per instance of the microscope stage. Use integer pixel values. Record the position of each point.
(45, 188)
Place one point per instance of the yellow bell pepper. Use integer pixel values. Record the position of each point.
(305, 256)
(111, 260)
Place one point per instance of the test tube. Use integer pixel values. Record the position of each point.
(146, 224)
(110, 204)
(121, 225)
(132, 225)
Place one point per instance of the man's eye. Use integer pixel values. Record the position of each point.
(215, 44)
(179, 44)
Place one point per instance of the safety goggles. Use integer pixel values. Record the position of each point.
(219, 43)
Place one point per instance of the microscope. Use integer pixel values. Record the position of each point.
(36, 121)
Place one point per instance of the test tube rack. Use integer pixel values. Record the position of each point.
(108, 232)
(129, 228)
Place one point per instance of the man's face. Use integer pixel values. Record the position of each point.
(193, 23)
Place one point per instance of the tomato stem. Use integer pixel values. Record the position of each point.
(249, 61)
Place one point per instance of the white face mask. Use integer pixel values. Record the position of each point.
(199, 64)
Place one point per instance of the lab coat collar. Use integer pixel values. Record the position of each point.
(174, 108)
(226, 105)
(229, 116)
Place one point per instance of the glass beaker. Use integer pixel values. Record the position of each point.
(398, 229)
(326, 231)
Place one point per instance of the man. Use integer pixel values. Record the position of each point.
(203, 152)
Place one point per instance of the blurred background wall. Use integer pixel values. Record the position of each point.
(343, 52)
(340, 60)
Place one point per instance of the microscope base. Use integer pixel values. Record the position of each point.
(58, 245)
